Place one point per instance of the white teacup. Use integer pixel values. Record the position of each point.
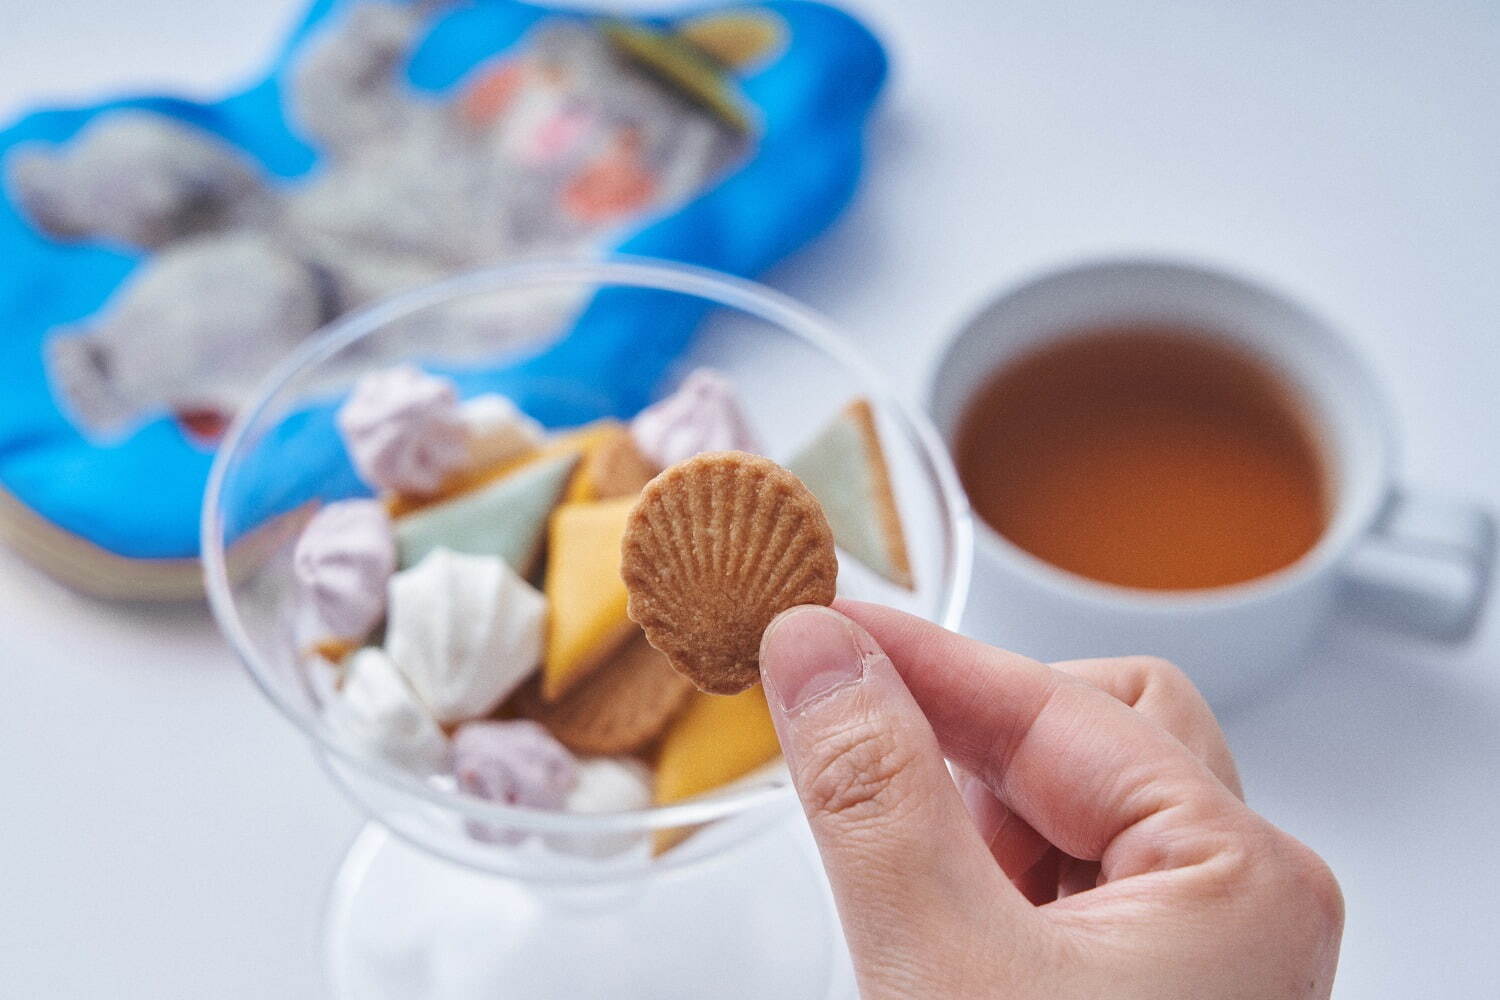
(1412, 562)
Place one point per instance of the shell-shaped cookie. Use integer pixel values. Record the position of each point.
(715, 548)
(622, 707)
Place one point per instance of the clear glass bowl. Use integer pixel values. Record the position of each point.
(561, 899)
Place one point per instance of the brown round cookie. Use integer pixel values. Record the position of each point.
(618, 469)
(714, 549)
(621, 707)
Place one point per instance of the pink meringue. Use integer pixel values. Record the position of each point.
(404, 430)
(517, 763)
(702, 415)
(344, 560)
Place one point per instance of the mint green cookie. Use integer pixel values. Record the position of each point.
(845, 469)
(506, 518)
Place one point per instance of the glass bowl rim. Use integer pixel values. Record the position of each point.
(615, 270)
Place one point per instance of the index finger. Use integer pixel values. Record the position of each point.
(1163, 694)
(1093, 777)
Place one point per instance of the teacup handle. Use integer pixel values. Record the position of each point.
(1425, 567)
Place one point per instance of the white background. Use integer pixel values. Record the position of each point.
(163, 834)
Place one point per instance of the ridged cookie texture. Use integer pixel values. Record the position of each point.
(714, 549)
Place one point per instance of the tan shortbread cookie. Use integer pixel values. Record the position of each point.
(863, 416)
(620, 708)
(333, 649)
(613, 468)
(714, 549)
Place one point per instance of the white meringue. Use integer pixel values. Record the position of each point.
(497, 430)
(465, 630)
(404, 430)
(375, 711)
(702, 415)
(610, 784)
(605, 785)
(343, 560)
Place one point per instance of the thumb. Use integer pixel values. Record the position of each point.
(901, 853)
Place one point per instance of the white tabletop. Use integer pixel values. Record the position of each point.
(165, 834)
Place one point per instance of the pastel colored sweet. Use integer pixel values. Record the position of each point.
(505, 518)
(333, 651)
(610, 784)
(704, 414)
(465, 631)
(587, 437)
(845, 468)
(620, 708)
(605, 785)
(612, 465)
(404, 430)
(585, 594)
(716, 547)
(465, 480)
(376, 712)
(497, 430)
(514, 762)
(578, 442)
(714, 741)
(343, 560)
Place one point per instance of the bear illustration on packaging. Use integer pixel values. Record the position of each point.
(168, 254)
(546, 153)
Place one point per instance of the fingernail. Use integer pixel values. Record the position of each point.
(809, 652)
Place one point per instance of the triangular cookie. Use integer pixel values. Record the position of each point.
(585, 594)
(578, 442)
(456, 485)
(845, 468)
(714, 741)
(505, 518)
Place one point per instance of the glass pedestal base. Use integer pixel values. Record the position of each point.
(756, 920)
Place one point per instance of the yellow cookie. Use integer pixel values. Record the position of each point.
(582, 441)
(459, 483)
(585, 595)
(714, 741)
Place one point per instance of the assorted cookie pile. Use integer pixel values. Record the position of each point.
(572, 620)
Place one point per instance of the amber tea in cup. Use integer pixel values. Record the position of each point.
(1145, 456)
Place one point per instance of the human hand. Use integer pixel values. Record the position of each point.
(1099, 846)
